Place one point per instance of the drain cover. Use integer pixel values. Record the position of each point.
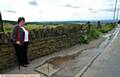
(47, 69)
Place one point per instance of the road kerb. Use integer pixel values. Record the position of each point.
(87, 66)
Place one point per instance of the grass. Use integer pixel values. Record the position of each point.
(95, 33)
(91, 35)
(107, 28)
(8, 27)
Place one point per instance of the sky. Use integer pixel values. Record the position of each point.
(58, 10)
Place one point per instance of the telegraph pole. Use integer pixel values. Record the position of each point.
(118, 13)
(114, 16)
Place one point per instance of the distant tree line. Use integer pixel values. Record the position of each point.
(10, 22)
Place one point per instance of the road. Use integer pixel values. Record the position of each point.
(108, 63)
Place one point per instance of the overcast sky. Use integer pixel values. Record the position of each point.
(55, 10)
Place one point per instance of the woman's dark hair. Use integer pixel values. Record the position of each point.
(20, 19)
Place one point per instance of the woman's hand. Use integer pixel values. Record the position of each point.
(18, 42)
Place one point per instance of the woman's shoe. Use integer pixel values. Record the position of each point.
(24, 65)
(27, 63)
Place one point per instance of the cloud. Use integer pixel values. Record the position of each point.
(40, 11)
(94, 11)
(76, 14)
(110, 4)
(91, 9)
(33, 2)
(57, 9)
(10, 11)
(71, 6)
(109, 9)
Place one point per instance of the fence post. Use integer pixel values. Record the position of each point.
(2, 34)
(98, 24)
(1, 23)
(89, 26)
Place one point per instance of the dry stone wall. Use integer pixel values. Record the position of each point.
(42, 42)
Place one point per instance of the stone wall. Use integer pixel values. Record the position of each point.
(43, 42)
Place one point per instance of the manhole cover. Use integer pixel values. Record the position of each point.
(53, 65)
(47, 69)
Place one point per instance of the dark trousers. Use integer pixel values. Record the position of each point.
(21, 53)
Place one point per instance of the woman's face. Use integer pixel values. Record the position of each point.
(22, 23)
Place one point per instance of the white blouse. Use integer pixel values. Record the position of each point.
(26, 38)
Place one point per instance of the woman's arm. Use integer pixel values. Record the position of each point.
(15, 36)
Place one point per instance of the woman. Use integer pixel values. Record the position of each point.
(20, 38)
